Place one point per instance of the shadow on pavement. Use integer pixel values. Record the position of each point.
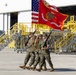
(64, 69)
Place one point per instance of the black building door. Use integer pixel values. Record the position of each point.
(13, 18)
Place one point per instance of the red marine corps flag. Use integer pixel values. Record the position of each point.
(50, 15)
(44, 13)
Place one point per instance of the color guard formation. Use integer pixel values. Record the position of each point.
(37, 53)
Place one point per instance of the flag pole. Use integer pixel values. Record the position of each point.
(39, 12)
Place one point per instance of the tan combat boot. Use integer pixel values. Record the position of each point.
(29, 67)
(33, 68)
(23, 67)
(52, 69)
(39, 69)
(44, 69)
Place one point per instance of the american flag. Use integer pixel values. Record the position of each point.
(35, 11)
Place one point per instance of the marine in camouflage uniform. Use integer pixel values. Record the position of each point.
(30, 54)
(18, 42)
(16, 39)
(38, 56)
(23, 40)
(36, 51)
(45, 52)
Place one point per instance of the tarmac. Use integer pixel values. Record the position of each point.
(10, 60)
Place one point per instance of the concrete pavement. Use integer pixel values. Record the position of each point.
(10, 61)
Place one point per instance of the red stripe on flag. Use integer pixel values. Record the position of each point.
(35, 17)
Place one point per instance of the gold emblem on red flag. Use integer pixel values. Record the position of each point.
(49, 16)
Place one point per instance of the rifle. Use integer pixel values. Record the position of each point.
(45, 43)
(29, 38)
